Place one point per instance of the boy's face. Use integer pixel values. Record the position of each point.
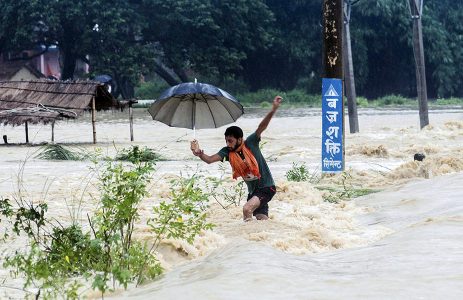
(232, 142)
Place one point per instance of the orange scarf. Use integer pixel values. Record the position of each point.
(240, 167)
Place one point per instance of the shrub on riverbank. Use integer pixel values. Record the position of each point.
(296, 97)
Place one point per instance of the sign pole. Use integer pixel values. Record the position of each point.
(332, 88)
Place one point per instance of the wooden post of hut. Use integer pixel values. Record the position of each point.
(27, 132)
(53, 132)
(94, 119)
(131, 102)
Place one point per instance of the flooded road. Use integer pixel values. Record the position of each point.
(403, 242)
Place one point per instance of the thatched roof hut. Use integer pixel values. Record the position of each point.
(45, 101)
(18, 70)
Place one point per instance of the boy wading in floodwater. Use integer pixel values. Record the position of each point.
(247, 162)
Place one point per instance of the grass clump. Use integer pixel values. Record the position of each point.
(135, 153)
(58, 152)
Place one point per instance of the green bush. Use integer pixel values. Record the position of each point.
(265, 97)
(311, 84)
(300, 172)
(449, 101)
(362, 101)
(184, 216)
(301, 97)
(134, 154)
(393, 100)
(59, 258)
(150, 89)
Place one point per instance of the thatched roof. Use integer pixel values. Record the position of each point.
(9, 68)
(45, 101)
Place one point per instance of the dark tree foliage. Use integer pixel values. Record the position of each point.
(295, 51)
(263, 43)
(383, 54)
(211, 37)
(19, 25)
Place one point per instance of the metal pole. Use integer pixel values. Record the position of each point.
(94, 119)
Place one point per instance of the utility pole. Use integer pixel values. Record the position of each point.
(332, 38)
(332, 88)
(416, 12)
(349, 79)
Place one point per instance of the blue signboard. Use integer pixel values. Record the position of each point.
(332, 131)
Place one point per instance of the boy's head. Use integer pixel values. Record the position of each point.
(233, 137)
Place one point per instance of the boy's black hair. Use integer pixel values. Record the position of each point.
(234, 131)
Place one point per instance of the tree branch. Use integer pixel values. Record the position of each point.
(164, 73)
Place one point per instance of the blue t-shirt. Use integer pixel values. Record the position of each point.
(266, 179)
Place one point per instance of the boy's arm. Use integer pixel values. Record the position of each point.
(266, 120)
(208, 158)
(200, 153)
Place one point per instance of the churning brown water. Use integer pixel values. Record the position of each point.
(404, 242)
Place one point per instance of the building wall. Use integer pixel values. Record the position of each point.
(23, 74)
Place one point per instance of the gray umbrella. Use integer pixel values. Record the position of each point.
(196, 106)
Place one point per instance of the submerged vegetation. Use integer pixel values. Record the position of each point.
(58, 152)
(300, 172)
(136, 153)
(343, 190)
(130, 154)
(60, 258)
(223, 192)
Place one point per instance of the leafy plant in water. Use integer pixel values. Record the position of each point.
(184, 217)
(59, 258)
(346, 192)
(300, 172)
(224, 194)
(43, 264)
(134, 154)
(122, 190)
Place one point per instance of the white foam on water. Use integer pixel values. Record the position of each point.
(402, 242)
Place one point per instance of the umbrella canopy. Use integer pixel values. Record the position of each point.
(196, 106)
(103, 78)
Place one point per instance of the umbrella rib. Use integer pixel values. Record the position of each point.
(210, 110)
(227, 110)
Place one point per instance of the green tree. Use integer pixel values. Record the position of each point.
(19, 25)
(68, 24)
(117, 46)
(295, 48)
(443, 38)
(207, 36)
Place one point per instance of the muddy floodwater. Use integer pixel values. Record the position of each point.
(405, 241)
